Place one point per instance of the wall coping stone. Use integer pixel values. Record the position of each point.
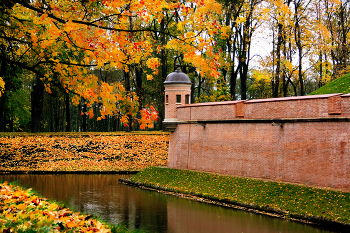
(269, 120)
(212, 103)
(293, 98)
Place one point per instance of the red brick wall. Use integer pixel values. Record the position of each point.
(311, 153)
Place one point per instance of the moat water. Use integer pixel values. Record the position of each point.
(116, 203)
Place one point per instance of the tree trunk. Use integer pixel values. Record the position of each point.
(68, 122)
(37, 97)
(297, 33)
(233, 82)
(84, 116)
(51, 115)
(127, 89)
(161, 109)
(3, 97)
(200, 81)
(302, 91)
(276, 81)
(243, 76)
(139, 87)
(3, 113)
(321, 69)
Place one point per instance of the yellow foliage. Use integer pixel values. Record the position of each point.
(261, 76)
(2, 86)
(63, 39)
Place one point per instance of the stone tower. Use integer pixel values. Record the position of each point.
(177, 92)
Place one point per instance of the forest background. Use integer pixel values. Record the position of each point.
(90, 65)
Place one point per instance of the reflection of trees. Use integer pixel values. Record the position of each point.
(142, 209)
(103, 196)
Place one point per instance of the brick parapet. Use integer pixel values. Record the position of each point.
(333, 105)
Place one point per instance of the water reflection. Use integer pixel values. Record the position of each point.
(103, 196)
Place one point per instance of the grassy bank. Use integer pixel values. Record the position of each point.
(288, 200)
(339, 85)
(24, 211)
(86, 152)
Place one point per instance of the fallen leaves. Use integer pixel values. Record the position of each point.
(22, 210)
(76, 152)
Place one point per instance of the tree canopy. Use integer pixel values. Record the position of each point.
(60, 42)
(110, 57)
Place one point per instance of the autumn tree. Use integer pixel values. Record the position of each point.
(337, 21)
(297, 37)
(242, 18)
(60, 41)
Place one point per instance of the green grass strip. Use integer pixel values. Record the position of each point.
(296, 200)
(339, 85)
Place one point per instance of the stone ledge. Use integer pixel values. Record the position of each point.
(272, 121)
(170, 124)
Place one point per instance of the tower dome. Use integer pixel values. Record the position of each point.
(177, 77)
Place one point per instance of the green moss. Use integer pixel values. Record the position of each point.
(339, 85)
(287, 198)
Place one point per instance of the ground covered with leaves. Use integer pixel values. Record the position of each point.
(23, 211)
(83, 152)
(290, 200)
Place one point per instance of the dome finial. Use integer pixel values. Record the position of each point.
(178, 67)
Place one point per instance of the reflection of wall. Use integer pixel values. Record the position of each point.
(296, 139)
(186, 216)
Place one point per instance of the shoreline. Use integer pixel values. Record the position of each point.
(319, 221)
(313, 220)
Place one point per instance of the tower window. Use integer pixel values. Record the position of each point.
(187, 99)
(166, 99)
(178, 99)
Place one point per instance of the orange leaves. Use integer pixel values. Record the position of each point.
(2, 86)
(63, 39)
(36, 201)
(153, 63)
(50, 214)
(91, 113)
(148, 116)
(77, 152)
(24, 211)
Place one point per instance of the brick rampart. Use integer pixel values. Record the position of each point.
(298, 139)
